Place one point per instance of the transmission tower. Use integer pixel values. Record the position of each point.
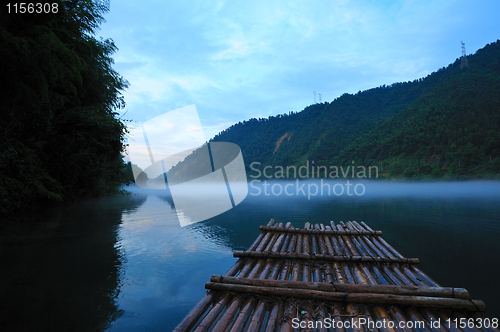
(314, 93)
(464, 62)
(319, 95)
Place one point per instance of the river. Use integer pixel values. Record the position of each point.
(124, 263)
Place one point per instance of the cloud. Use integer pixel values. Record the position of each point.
(237, 60)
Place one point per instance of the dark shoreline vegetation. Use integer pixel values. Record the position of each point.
(60, 134)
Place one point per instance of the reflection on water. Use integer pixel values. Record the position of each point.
(61, 269)
(125, 263)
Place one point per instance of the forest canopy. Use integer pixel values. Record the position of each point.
(60, 133)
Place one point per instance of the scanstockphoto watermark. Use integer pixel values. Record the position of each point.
(311, 171)
(310, 188)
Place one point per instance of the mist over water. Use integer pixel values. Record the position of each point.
(158, 268)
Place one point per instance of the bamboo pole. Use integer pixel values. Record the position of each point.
(260, 237)
(304, 256)
(272, 240)
(286, 325)
(227, 318)
(424, 277)
(280, 245)
(336, 313)
(352, 311)
(366, 298)
(416, 317)
(381, 280)
(328, 270)
(194, 315)
(264, 242)
(257, 268)
(236, 267)
(338, 273)
(328, 244)
(352, 251)
(247, 268)
(257, 317)
(306, 273)
(209, 319)
(274, 318)
(394, 279)
(322, 314)
(348, 274)
(415, 279)
(360, 278)
(285, 272)
(381, 314)
(401, 275)
(400, 318)
(243, 315)
(317, 231)
(369, 277)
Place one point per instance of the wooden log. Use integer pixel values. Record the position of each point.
(318, 231)
(194, 315)
(303, 256)
(444, 292)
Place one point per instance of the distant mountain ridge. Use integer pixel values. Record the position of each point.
(444, 125)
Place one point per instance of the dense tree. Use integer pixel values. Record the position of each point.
(60, 134)
(443, 125)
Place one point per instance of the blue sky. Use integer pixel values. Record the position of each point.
(241, 59)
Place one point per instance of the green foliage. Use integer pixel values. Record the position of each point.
(451, 131)
(60, 134)
(442, 126)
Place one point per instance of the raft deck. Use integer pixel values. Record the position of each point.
(337, 277)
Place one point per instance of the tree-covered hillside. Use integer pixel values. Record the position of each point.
(60, 136)
(451, 131)
(446, 123)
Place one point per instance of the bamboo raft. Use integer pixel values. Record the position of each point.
(345, 272)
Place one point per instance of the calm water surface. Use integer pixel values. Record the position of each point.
(124, 263)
